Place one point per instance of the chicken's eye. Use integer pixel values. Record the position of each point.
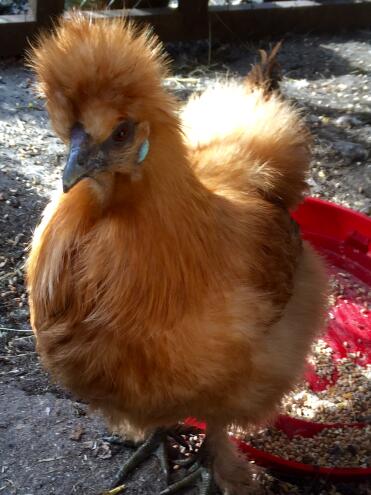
(120, 136)
(122, 132)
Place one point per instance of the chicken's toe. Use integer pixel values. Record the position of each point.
(200, 475)
(153, 445)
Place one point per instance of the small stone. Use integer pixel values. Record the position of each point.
(12, 201)
(104, 451)
(366, 209)
(77, 434)
(353, 152)
(347, 121)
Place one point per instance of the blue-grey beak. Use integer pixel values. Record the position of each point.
(77, 166)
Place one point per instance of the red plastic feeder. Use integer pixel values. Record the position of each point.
(343, 238)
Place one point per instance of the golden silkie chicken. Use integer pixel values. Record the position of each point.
(168, 280)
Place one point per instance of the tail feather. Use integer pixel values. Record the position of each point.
(266, 73)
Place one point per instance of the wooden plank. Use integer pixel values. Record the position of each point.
(193, 8)
(15, 31)
(191, 21)
(167, 23)
(45, 10)
(277, 18)
(241, 22)
(188, 22)
(16, 19)
(140, 4)
(195, 18)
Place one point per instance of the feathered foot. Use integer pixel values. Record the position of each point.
(212, 466)
(155, 444)
(166, 444)
(201, 476)
(198, 472)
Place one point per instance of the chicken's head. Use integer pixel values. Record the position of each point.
(102, 80)
(122, 152)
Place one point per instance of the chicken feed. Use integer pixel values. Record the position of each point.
(345, 447)
(346, 398)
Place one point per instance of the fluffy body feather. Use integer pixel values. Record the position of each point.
(183, 289)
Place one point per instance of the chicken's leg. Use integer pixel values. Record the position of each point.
(199, 473)
(217, 466)
(198, 466)
(155, 444)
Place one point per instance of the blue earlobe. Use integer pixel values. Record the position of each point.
(143, 150)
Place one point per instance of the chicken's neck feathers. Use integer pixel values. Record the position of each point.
(149, 254)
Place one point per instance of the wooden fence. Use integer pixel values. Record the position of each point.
(194, 19)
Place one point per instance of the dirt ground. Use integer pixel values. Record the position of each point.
(49, 442)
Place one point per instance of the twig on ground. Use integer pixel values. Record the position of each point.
(115, 491)
(16, 330)
(11, 356)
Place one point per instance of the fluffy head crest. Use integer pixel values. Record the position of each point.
(106, 60)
